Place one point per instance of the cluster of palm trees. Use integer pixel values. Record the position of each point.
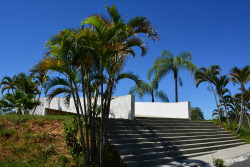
(89, 62)
(19, 93)
(232, 107)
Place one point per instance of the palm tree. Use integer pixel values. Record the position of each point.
(168, 62)
(116, 40)
(26, 83)
(8, 84)
(42, 78)
(220, 84)
(151, 89)
(207, 75)
(241, 76)
(20, 101)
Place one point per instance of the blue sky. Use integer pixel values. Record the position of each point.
(215, 32)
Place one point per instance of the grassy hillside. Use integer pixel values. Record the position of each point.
(33, 141)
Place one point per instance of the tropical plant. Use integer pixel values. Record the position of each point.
(116, 41)
(207, 75)
(19, 101)
(150, 89)
(91, 59)
(220, 84)
(167, 62)
(41, 78)
(22, 95)
(241, 76)
(8, 84)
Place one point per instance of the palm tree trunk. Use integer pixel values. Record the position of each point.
(225, 110)
(152, 94)
(216, 104)
(242, 111)
(176, 85)
(79, 121)
(102, 116)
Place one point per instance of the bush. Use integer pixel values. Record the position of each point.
(218, 162)
(73, 141)
(196, 114)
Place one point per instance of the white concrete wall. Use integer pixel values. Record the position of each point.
(120, 107)
(164, 110)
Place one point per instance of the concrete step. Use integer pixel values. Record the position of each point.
(155, 141)
(124, 151)
(171, 147)
(174, 135)
(147, 155)
(173, 156)
(137, 145)
(202, 149)
(176, 140)
(159, 124)
(141, 131)
(160, 127)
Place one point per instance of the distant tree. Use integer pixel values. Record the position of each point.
(196, 114)
(168, 62)
(150, 89)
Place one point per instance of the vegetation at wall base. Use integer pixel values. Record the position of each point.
(244, 132)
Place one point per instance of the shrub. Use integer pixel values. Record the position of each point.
(73, 141)
(218, 162)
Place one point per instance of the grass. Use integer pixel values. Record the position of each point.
(31, 140)
(244, 132)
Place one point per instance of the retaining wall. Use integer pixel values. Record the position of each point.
(120, 107)
(164, 110)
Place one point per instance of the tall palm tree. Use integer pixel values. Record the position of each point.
(207, 75)
(167, 62)
(241, 76)
(151, 89)
(116, 40)
(220, 84)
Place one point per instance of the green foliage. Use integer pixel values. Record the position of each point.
(63, 160)
(218, 162)
(244, 132)
(150, 88)
(73, 142)
(21, 98)
(7, 133)
(196, 114)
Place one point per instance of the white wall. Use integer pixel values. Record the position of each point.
(164, 110)
(120, 107)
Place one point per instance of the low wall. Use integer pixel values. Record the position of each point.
(120, 107)
(164, 110)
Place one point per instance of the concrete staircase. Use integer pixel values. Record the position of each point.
(155, 141)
